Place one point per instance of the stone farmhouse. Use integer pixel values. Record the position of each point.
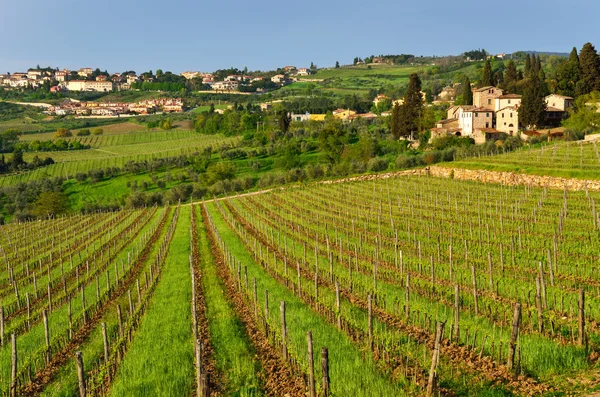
(493, 112)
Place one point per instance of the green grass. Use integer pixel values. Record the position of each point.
(232, 349)
(160, 360)
(206, 108)
(351, 373)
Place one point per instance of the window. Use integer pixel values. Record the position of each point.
(487, 115)
(487, 125)
(489, 101)
(511, 115)
(509, 101)
(476, 114)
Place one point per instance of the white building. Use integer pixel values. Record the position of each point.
(83, 85)
(225, 86)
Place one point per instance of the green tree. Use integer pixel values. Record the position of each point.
(50, 204)
(8, 139)
(411, 111)
(532, 111)
(395, 122)
(465, 91)
(527, 69)
(487, 78)
(568, 74)
(283, 120)
(590, 70)
(511, 77)
(17, 160)
(331, 142)
(584, 117)
(337, 64)
(166, 124)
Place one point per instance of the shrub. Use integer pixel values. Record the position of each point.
(97, 131)
(63, 133)
(83, 132)
(377, 164)
(403, 161)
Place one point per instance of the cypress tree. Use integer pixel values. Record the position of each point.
(466, 91)
(284, 121)
(411, 111)
(396, 120)
(527, 69)
(543, 84)
(590, 70)
(568, 74)
(536, 64)
(511, 76)
(532, 111)
(487, 78)
(499, 79)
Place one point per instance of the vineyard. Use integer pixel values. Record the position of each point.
(569, 159)
(116, 151)
(382, 287)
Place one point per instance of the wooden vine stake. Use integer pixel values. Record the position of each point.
(538, 304)
(581, 318)
(370, 312)
(80, 374)
(325, 371)
(435, 358)
(283, 331)
(199, 370)
(457, 312)
(47, 336)
(13, 368)
(513, 336)
(1, 325)
(311, 371)
(474, 280)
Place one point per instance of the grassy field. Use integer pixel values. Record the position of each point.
(206, 108)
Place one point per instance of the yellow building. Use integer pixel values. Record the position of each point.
(317, 117)
(343, 114)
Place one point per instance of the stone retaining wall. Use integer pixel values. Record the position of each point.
(484, 176)
(513, 179)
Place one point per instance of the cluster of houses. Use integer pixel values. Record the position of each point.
(62, 80)
(233, 82)
(493, 112)
(66, 80)
(115, 109)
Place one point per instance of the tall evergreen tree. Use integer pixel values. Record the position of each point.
(284, 121)
(411, 111)
(536, 64)
(568, 74)
(499, 79)
(487, 78)
(466, 91)
(532, 111)
(590, 70)
(511, 76)
(396, 120)
(527, 69)
(543, 83)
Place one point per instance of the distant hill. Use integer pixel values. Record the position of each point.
(560, 54)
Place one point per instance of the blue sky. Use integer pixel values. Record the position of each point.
(180, 35)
